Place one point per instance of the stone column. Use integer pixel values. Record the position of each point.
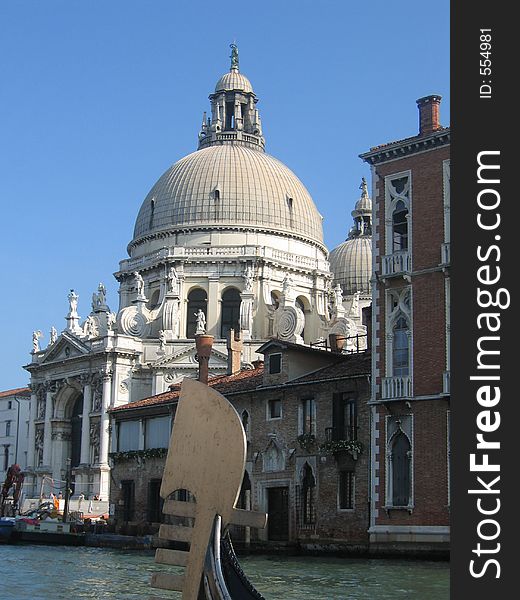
(103, 433)
(85, 424)
(213, 307)
(246, 314)
(32, 418)
(47, 436)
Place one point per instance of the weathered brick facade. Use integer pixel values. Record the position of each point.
(314, 516)
(410, 370)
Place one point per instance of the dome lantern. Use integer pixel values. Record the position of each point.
(234, 116)
(351, 261)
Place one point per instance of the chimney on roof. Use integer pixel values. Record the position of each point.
(203, 344)
(234, 347)
(429, 121)
(336, 342)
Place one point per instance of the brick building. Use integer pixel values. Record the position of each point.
(410, 397)
(306, 419)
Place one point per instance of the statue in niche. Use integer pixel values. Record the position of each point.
(173, 280)
(53, 336)
(40, 406)
(38, 445)
(35, 340)
(139, 283)
(248, 279)
(73, 302)
(162, 340)
(94, 441)
(201, 321)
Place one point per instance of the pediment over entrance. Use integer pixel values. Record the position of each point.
(184, 359)
(66, 346)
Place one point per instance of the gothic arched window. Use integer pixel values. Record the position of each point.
(400, 227)
(400, 465)
(197, 298)
(230, 318)
(401, 348)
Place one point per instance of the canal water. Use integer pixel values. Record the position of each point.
(31, 572)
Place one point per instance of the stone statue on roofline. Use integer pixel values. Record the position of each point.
(35, 340)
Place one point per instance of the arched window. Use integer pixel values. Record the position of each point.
(308, 509)
(230, 318)
(197, 298)
(275, 300)
(400, 227)
(400, 348)
(400, 463)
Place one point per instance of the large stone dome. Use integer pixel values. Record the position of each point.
(229, 186)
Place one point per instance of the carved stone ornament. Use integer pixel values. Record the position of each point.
(133, 322)
(290, 323)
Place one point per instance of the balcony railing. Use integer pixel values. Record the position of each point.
(333, 434)
(445, 254)
(396, 387)
(446, 382)
(396, 263)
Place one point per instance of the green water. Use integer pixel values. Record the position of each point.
(54, 572)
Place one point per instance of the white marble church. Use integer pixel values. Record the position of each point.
(228, 238)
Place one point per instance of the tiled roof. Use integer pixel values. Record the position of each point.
(248, 379)
(344, 365)
(349, 365)
(414, 138)
(16, 392)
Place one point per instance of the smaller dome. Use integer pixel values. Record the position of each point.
(233, 80)
(351, 263)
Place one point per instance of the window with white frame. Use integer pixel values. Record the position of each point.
(128, 433)
(397, 211)
(274, 408)
(308, 416)
(157, 432)
(398, 332)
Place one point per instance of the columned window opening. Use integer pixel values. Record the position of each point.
(197, 298)
(230, 316)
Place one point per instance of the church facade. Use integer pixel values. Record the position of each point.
(228, 238)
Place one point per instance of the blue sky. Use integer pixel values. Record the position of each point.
(98, 99)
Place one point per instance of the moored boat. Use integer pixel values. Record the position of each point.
(6, 528)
